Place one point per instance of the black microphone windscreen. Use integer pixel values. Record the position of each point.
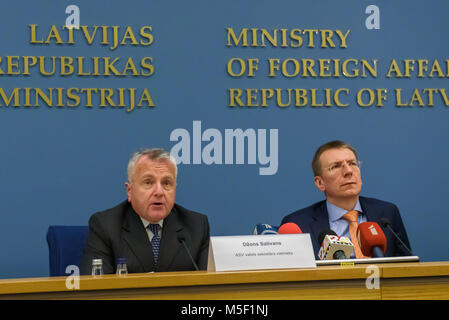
(323, 234)
(181, 237)
(385, 222)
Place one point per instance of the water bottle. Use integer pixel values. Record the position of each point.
(97, 267)
(122, 268)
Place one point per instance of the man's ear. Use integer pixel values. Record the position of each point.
(128, 190)
(319, 183)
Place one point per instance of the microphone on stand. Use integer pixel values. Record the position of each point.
(334, 246)
(387, 224)
(372, 240)
(263, 228)
(289, 228)
(181, 239)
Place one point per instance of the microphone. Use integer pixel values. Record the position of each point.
(372, 239)
(263, 228)
(323, 234)
(334, 246)
(289, 228)
(386, 223)
(181, 238)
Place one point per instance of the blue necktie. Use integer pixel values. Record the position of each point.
(156, 241)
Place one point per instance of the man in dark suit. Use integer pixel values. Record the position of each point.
(148, 229)
(337, 174)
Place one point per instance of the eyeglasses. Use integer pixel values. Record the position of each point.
(337, 166)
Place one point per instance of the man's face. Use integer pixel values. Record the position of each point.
(340, 175)
(152, 188)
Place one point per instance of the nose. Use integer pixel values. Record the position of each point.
(158, 189)
(347, 169)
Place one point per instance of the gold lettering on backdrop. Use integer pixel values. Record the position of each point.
(421, 97)
(111, 36)
(323, 68)
(290, 97)
(421, 68)
(294, 38)
(298, 67)
(79, 66)
(120, 98)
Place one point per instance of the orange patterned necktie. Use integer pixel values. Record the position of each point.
(351, 217)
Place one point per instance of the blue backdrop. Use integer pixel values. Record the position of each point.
(60, 164)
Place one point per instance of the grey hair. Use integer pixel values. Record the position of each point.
(153, 154)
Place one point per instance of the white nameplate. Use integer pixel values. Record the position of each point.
(255, 252)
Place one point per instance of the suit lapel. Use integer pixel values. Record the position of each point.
(169, 241)
(371, 215)
(320, 223)
(136, 237)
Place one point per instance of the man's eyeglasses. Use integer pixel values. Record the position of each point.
(337, 166)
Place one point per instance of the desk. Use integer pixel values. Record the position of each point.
(417, 280)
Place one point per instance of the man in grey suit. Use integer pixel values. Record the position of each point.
(149, 229)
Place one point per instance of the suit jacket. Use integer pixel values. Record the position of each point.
(119, 233)
(315, 219)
